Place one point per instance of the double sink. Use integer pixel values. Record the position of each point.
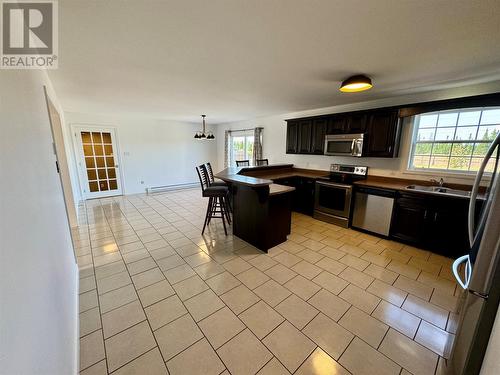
(439, 190)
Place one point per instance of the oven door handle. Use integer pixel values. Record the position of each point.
(333, 184)
(353, 143)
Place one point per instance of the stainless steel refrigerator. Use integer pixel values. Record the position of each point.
(478, 272)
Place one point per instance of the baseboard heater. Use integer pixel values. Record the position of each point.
(159, 189)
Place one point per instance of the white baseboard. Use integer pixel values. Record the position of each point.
(76, 365)
(159, 189)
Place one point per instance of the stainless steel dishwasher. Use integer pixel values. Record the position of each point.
(373, 209)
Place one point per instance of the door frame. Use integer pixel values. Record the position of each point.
(56, 127)
(76, 128)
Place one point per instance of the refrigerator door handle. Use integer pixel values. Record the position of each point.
(475, 189)
(468, 271)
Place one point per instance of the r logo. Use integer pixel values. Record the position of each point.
(27, 28)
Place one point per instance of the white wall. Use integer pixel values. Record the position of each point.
(158, 152)
(491, 362)
(274, 137)
(38, 273)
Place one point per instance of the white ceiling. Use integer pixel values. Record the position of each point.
(238, 59)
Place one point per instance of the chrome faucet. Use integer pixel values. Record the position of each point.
(440, 183)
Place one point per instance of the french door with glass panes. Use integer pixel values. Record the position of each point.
(99, 171)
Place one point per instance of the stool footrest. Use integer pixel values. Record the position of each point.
(217, 204)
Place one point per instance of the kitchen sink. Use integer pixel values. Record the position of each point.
(439, 190)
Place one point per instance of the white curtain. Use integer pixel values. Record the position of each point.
(257, 145)
(227, 148)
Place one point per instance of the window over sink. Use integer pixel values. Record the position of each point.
(453, 140)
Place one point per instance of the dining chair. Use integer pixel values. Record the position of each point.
(242, 163)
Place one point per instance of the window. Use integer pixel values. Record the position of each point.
(453, 140)
(241, 145)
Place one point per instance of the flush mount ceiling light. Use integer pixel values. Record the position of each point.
(356, 83)
(204, 135)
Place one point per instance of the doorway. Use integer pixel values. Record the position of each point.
(98, 166)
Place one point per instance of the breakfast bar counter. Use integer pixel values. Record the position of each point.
(261, 208)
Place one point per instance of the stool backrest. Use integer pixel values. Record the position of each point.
(262, 161)
(210, 173)
(203, 176)
(242, 163)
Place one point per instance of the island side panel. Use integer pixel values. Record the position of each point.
(260, 219)
(250, 214)
(279, 218)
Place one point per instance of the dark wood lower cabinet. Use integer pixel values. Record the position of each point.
(408, 221)
(431, 222)
(303, 196)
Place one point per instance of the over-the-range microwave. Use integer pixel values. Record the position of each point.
(344, 144)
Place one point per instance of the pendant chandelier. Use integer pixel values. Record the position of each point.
(204, 134)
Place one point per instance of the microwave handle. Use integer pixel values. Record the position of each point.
(356, 148)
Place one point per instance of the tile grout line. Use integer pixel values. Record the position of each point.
(143, 308)
(97, 293)
(204, 337)
(191, 238)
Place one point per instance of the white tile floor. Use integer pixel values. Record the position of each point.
(156, 297)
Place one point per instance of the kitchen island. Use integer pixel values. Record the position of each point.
(261, 208)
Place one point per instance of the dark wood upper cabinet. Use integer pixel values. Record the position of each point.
(382, 134)
(337, 125)
(292, 137)
(306, 136)
(305, 133)
(380, 127)
(318, 136)
(356, 123)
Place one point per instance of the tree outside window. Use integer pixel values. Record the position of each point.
(454, 140)
(241, 146)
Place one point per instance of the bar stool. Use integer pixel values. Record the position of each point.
(211, 178)
(217, 199)
(212, 182)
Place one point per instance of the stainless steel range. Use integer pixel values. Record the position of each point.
(333, 195)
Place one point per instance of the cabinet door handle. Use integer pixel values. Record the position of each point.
(435, 216)
(425, 214)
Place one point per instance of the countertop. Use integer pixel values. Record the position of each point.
(234, 175)
(402, 184)
(275, 189)
(264, 176)
(387, 183)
